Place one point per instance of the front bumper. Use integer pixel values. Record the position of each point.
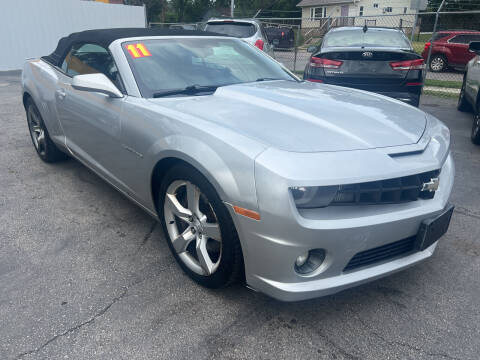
(272, 244)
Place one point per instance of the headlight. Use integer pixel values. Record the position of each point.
(307, 197)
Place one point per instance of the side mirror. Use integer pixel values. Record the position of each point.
(311, 49)
(96, 83)
(474, 47)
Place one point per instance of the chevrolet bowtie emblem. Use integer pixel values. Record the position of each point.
(432, 185)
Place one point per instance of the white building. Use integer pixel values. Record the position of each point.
(390, 13)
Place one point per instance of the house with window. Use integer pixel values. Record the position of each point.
(357, 12)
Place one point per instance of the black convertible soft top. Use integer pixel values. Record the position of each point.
(104, 37)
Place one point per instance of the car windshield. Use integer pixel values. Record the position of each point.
(170, 65)
(373, 38)
(235, 29)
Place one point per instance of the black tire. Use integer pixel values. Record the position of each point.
(231, 267)
(475, 135)
(46, 149)
(438, 63)
(463, 105)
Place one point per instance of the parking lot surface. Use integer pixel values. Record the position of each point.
(85, 274)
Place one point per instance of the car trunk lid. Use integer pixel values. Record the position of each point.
(365, 66)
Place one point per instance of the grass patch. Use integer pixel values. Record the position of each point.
(418, 46)
(444, 83)
(422, 37)
(440, 94)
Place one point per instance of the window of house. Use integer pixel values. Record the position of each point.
(318, 12)
(404, 10)
(375, 6)
(361, 11)
(387, 9)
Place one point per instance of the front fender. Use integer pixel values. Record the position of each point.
(230, 171)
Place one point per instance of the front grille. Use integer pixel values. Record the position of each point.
(381, 253)
(390, 191)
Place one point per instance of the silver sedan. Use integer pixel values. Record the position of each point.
(300, 189)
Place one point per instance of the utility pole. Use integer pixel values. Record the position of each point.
(414, 26)
(433, 34)
(232, 7)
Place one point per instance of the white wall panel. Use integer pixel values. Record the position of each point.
(32, 28)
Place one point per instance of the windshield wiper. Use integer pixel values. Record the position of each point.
(189, 90)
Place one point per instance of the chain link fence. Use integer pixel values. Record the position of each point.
(441, 38)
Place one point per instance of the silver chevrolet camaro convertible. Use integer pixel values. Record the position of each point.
(300, 189)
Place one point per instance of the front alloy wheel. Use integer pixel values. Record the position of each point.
(199, 229)
(193, 227)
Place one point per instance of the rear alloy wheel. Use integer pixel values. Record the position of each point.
(199, 230)
(476, 127)
(46, 149)
(438, 63)
(463, 104)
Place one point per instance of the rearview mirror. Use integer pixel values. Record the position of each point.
(474, 47)
(311, 49)
(96, 83)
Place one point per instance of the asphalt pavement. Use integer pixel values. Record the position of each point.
(85, 274)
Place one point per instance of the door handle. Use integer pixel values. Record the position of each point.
(61, 93)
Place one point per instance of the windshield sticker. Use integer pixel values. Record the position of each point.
(138, 50)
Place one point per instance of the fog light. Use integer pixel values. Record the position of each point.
(301, 260)
(310, 261)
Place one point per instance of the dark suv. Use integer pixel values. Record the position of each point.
(450, 49)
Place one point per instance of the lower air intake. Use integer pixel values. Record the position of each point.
(381, 253)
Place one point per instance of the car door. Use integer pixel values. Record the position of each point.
(91, 121)
(472, 82)
(457, 47)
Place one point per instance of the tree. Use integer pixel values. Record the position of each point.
(155, 8)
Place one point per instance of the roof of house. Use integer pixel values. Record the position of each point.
(306, 3)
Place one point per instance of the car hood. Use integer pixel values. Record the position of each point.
(304, 116)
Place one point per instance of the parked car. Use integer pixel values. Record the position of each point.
(301, 189)
(381, 60)
(250, 30)
(469, 98)
(281, 37)
(184, 26)
(450, 49)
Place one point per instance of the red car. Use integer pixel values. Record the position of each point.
(450, 49)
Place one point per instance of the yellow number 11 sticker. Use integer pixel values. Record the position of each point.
(138, 50)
